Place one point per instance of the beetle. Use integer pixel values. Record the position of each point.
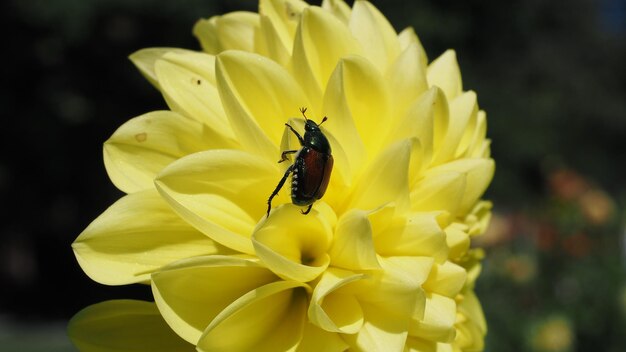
(311, 168)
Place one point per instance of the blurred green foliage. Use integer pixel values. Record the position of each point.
(550, 75)
(553, 277)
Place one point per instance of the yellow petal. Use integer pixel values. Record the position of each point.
(408, 37)
(414, 344)
(144, 145)
(426, 120)
(235, 30)
(206, 32)
(400, 275)
(418, 235)
(294, 246)
(464, 112)
(446, 279)
(469, 337)
(478, 174)
(389, 300)
(284, 16)
(461, 126)
(439, 319)
(444, 73)
(439, 191)
(213, 191)
(406, 77)
(199, 63)
(342, 124)
(385, 180)
(440, 115)
(270, 41)
(397, 286)
(260, 42)
(338, 8)
(479, 136)
(484, 151)
(419, 160)
(270, 318)
(353, 247)
(191, 293)
(137, 235)
(259, 96)
(145, 59)
(341, 313)
(366, 95)
(479, 217)
(123, 325)
(471, 308)
(188, 91)
(315, 339)
(375, 33)
(314, 56)
(458, 241)
(380, 332)
(471, 263)
(332, 310)
(186, 78)
(449, 347)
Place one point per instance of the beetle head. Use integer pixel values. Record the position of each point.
(311, 126)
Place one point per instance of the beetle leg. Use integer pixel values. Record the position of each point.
(307, 210)
(296, 133)
(283, 157)
(278, 187)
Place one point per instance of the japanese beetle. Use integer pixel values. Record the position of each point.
(311, 168)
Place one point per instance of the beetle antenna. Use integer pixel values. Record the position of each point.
(323, 120)
(303, 111)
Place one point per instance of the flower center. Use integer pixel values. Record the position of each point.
(306, 259)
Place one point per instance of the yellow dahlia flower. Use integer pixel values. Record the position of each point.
(383, 260)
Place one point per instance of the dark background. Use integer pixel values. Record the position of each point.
(550, 75)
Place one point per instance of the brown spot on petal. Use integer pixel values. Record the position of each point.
(141, 137)
(291, 12)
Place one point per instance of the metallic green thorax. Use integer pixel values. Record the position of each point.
(314, 138)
